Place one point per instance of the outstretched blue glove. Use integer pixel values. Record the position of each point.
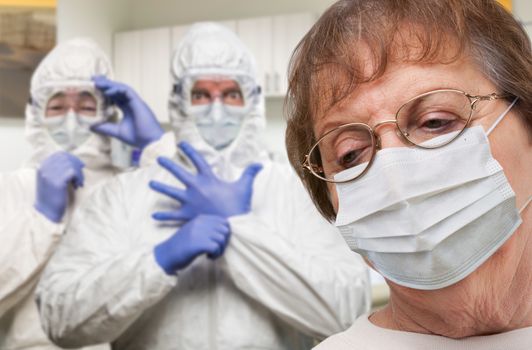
(56, 174)
(138, 127)
(205, 193)
(205, 234)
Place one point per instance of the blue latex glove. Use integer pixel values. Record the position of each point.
(206, 234)
(205, 193)
(54, 177)
(138, 127)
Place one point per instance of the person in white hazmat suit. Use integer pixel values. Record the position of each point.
(68, 162)
(237, 256)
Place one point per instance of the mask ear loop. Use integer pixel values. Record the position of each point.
(501, 117)
(526, 204)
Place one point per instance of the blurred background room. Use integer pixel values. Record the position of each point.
(139, 36)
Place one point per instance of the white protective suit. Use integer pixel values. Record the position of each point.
(286, 275)
(28, 237)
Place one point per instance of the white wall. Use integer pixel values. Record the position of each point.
(97, 19)
(523, 11)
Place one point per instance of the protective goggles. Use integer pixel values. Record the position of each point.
(52, 103)
(198, 93)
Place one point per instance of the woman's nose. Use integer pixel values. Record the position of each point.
(388, 135)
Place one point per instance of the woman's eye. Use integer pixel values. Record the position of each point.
(351, 158)
(436, 123)
(350, 149)
(348, 158)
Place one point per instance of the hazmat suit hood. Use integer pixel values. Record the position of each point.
(211, 49)
(72, 62)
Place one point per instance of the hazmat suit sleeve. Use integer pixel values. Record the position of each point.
(101, 278)
(165, 146)
(296, 264)
(28, 241)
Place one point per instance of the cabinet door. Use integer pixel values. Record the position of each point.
(288, 30)
(155, 70)
(142, 60)
(256, 34)
(127, 59)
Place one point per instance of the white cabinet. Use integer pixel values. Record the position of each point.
(272, 41)
(142, 60)
(126, 57)
(155, 71)
(256, 34)
(288, 30)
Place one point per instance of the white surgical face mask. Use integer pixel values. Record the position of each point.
(69, 131)
(218, 124)
(427, 218)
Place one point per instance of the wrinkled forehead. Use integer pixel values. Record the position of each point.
(73, 94)
(215, 83)
(362, 63)
(67, 88)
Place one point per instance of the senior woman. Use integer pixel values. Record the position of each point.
(410, 123)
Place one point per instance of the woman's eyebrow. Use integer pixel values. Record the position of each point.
(333, 121)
